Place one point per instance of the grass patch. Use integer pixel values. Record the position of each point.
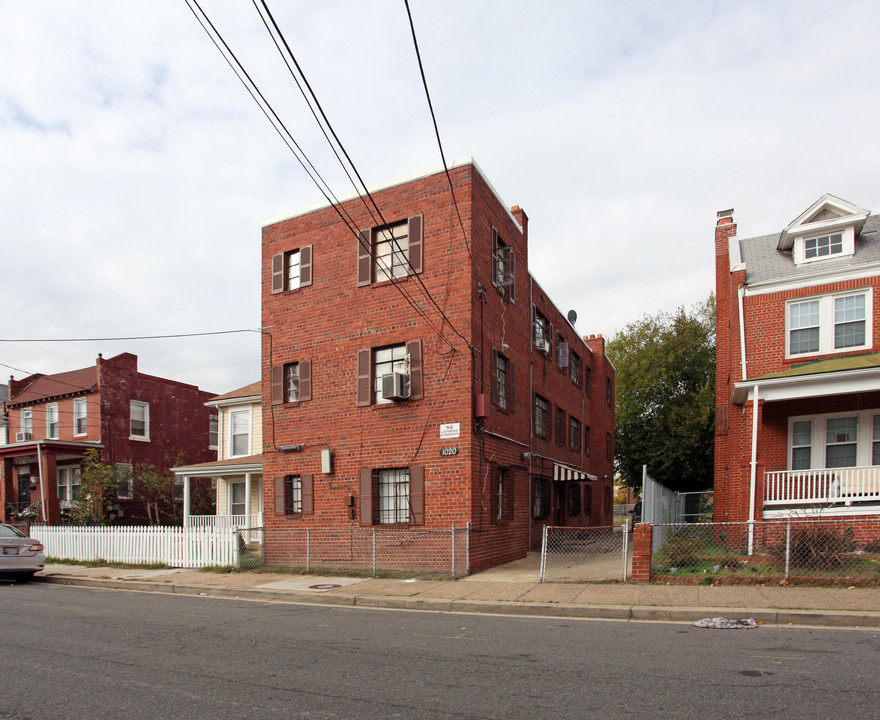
(105, 563)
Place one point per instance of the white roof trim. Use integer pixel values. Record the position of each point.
(841, 382)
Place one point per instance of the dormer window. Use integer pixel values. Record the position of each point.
(819, 247)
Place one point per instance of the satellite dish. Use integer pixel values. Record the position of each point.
(572, 317)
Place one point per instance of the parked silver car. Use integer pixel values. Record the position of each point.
(20, 555)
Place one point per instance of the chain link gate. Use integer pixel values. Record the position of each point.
(585, 554)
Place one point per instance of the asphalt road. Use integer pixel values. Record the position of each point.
(70, 652)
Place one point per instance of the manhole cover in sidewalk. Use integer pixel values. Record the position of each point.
(324, 586)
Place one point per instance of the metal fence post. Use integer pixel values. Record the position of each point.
(625, 546)
(467, 549)
(374, 552)
(787, 547)
(308, 550)
(543, 553)
(453, 551)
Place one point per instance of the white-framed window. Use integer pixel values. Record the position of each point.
(27, 423)
(52, 421)
(80, 416)
(240, 432)
(829, 323)
(501, 387)
(125, 481)
(540, 331)
(237, 502)
(68, 483)
(292, 270)
(291, 382)
(503, 268)
(213, 432)
(825, 246)
(139, 422)
(292, 262)
(385, 361)
(391, 252)
(849, 439)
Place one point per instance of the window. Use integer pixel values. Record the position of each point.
(540, 498)
(502, 390)
(829, 323)
(587, 439)
(574, 368)
(68, 484)
(294, 495)
(240, 432)
(80, 414)
(574, 499)
(52, 421)
(503, 275)
(124, 481)
(291, 382)
(374, 364)
(541, 331)
(574, 433)
(609, 392)
(875, 444)
(840, 442)
(609, 447)
(820, 247)
(850, 439)
(390, 252)
(139, 421)
(563, 352)
(502, 494)
(587, 378)
(292, 270)
(392, 496)
(213, 432)
(237, 502)
(560, 426)
(801, 444)
(542, 416)
(27, 423)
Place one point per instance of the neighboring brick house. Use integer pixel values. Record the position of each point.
(415, 374)
(796, 337)
(127, 416)
(237, 472)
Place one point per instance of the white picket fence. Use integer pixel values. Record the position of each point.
(172, 546)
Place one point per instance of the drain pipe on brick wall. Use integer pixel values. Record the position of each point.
(753, 471)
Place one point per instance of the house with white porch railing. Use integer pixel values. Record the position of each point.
(797, 395)
(237, 473)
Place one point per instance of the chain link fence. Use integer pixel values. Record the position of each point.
(378, 552)
(585, 554)
(813, 552)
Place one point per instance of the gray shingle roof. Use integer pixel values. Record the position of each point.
(765, 263)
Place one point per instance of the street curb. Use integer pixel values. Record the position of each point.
(765, 616)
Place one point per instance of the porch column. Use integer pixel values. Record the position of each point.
(753, 469)
(247, 501)
(186, 503)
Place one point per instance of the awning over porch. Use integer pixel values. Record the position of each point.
(834, 376)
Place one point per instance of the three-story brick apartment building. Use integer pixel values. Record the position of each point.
(416, 376)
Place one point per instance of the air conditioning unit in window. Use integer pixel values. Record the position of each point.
(395, 386)
(543, 344)
(23, 436)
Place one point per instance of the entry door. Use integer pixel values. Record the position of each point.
(24, 489)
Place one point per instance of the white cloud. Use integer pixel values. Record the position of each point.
(136, 171)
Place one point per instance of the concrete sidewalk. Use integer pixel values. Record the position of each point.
(510, 590)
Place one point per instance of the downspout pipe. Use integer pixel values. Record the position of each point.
(753, 471)
(742, 331)
(42, 484)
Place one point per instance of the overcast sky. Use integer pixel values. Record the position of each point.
(136, 172)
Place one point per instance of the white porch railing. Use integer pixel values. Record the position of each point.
(225, 522)
(841, 485)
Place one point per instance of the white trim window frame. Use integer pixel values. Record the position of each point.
(125, 484)
(139, 420)
(826, 324)
(240, 432)
(213, 432)
(845, 439)
(237, 497)
(828, 245)
(391, 252)
(27, 421)
(386, 360)
(69, 479)
(80, 417)
(52, 421)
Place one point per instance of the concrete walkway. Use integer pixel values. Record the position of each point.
(511, 589)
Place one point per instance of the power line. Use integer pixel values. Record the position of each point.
(132, 337)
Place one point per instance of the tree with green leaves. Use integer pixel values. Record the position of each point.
(665, 390)
(96, 497)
